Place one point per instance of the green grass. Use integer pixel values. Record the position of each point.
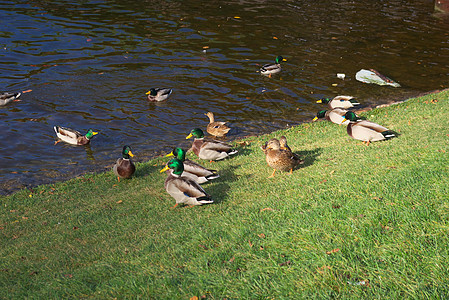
(352, 222)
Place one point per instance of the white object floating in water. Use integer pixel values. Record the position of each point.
(341, 76)
(372, 76)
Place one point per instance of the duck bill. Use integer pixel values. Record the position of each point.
(130, 154)
(164, 169)
(284, 59)
(314, 119)
(319, 101)
(344, 120)
(147, 93)
(170, 154)
(94, 132)
(189, 136)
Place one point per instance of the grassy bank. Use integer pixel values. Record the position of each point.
(352, 222)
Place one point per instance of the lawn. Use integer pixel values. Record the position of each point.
(351, 222)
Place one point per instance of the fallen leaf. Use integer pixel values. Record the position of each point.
(262, 235)
(321, 270)
(88, 40)
(266, 208)
(232, 259)
(27, 91)
(323, 181)
(120, 201)
(204, 247)
(250, 244)
(194, 298)
(287, 263)
(25, 218)
(332, 251)
(68, 275)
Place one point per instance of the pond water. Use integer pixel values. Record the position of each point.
(90, 63)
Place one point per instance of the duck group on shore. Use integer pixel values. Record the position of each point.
(184, 176)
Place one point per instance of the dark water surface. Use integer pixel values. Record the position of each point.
(89, 64)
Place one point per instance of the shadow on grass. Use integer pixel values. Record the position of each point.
(309, 157)
(218, 188)
(143, 170)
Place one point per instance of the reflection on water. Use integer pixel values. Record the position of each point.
(89, 65)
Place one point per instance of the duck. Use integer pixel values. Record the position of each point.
(158, 94)
(280, 159)
(209, 149)
(6, 97)
(340, 101)
(273, 68)
(182, 189)
(215, 128)
(284, 146)
(72, 136)
(335, 115)
(366, 131)
(124, 167)
(192, 170)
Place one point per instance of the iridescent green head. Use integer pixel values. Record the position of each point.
(179, 153)
(126, 152)
(152, 92)
(90, 133)
(279, 59)
(197, 133)
(176, 165)
(324, 100)
(351, 116)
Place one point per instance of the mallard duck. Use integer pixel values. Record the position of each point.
(366, 131)
(124, 167)
(72, 136)
(209, 149)
(269, 69)
(158, 94)
(192, 170)
(335, 115)
(283, 144)
(215, 128)
(184, 190)
(6, 97)
(339, 101)
(280, 159)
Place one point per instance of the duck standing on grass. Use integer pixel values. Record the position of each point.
(158, 94)
(184, 190)
(280, 159)
(209, 149)
(270, 69)
(339, 101)
(6, 97)
(365, 130)
(73, 137)
(192, 170)
(335, 115)
(215, 128)
(124, 167)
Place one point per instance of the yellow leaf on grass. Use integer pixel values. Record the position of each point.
(332, 251)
